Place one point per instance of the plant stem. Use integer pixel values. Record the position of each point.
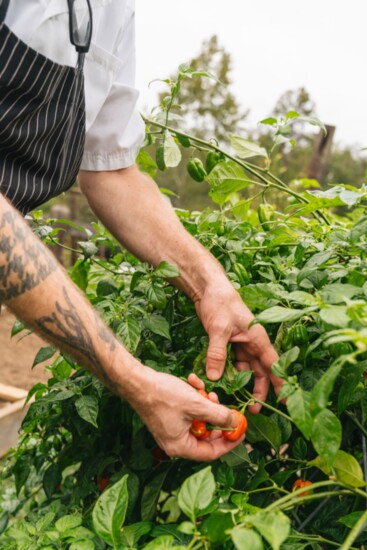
(357, 422)
(317, 485)
(249, 168)
(316, 538)
(357, 529)
(266, 405)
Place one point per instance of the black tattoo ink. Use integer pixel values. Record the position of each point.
(66, 327)
(24, 263)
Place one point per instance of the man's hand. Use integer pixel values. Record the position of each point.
(226, 318)
(168, 406)
(149, 228)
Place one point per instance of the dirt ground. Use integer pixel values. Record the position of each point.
(17, 355)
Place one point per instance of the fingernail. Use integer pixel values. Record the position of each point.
(213, 374)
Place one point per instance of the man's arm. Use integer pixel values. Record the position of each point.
(132, 208)
(37, 290)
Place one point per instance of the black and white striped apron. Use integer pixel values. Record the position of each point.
(42, 122)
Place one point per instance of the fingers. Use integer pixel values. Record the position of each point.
(216, 356)
(198, 384)
(195, 382)
(211, 450)
(217, 415)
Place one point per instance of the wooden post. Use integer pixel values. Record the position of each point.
(321, 154)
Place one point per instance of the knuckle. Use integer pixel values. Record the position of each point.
(216, 354)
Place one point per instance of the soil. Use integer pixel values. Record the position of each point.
(17, 356)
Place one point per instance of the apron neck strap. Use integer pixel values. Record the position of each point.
(3, 9)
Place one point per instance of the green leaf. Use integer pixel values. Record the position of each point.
(51, 479)
(106, 287)
(196, 493)
(4, 519)
(146, 163)
(320, 394)
(166, 270)
(79, 273)
(273, 526)
(43, 355)
(110, 511)
(162, 543)
(313, 121)
(215, 526)
(17, 328)
(225, 179)
(158, 325)
(301, 297)
(246, 149)
(150, 496)
(45, 521)
(129, 330)
(271, 121)
(263, 429)
(326, 435)
(246, 539)
(87, 408)
(278, 314)
(172, 153)
(298, 405)
(81, 545)
(238, 456)
(335, 315)
(89, 249)
(68, 522)
(156, 296)
(351, 519)
(344, 467)
(132, 533)
(291, 114)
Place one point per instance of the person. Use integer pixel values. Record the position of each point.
(68, 107)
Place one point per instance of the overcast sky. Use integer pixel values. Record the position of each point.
(275, 45)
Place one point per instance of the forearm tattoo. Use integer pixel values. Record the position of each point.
(24, 263)
(66, 327)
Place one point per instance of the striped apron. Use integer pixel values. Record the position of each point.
(42, 122)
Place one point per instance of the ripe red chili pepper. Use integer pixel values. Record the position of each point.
(233, 435)
(102, 483)
(198, 429)
(299, 484)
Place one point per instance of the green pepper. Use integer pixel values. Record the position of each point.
(196, 169)
(296, 336)
(299, 335)
(265, 213)
(159, 158)
(242, 274)
(340, 348)
(212, 159)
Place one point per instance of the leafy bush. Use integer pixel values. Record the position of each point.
(304, 274)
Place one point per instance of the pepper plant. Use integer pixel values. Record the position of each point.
(87, 474)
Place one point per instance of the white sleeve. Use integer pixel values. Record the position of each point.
(115, 130)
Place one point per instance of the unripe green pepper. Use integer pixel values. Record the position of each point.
(196, 169)
(242, 274)
(265, 213)
(159, 158)
(299, 335)
(212, 159)
(340, 348)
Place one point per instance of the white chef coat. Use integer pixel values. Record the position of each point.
(115, 130)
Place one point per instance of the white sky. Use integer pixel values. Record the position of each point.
(275, 45)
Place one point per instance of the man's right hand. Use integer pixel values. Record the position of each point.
(167, 405)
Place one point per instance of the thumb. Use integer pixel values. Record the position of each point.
(216, 356)
(218, 415)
